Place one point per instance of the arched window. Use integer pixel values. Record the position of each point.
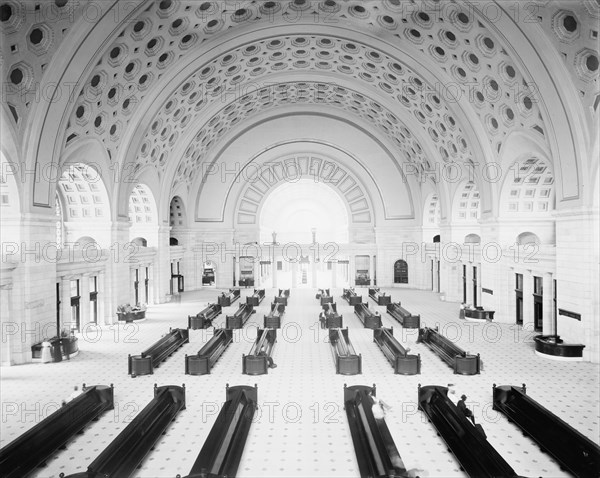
(436, 238)
(400, 272)
(173, 241)
(176, 213)
(528, 238)
(472, 239)
(140, 242)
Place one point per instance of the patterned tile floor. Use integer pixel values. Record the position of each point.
(300, 428)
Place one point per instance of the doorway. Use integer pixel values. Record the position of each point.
(94, 299)
(538, 309)
(75, 308)
(519, 299)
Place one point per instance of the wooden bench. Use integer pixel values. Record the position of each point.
(240, 317)
(273, 320)
(478, 314)
(226, 300)
(256, 298)
(152, 357)
(207, 356)
(461, 362)
(403, 363)
(379, 297)
(346, 361)
(468, 444)
(203, 319)
(376, 452)
(329, 318)
(257, 360)
(223, 448)
(406, 319)
(123, 455)
(40, 443)
(570, 448)
(369, 319)
(282, 297)
(324, 296)
(350, 296)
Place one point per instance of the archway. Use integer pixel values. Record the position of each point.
(209, 269)
(307, 219)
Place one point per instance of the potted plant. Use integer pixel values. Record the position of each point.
(129, 313)
(61, 347)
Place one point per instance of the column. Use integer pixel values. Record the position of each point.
(237, 271)
(274, 271)
(8, 327)
(313, 268)
(469, 281)
(372, 268)
(132, 286)
(548, 304)
(351, 271)
(105, 314)
(478, 292)
(65, 304)
(528, 322)
(294, 274)
(333, 274)
(84, 301)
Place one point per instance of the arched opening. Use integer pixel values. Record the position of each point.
(303, 217)
(526, 238)
(140, 242)
(177, 219)
(82, 206)
(436, 238)
(467, 204)
(209, 270)
(142, 214)
(472, 239)
(400, 272)
(304, 211)
(84, 241)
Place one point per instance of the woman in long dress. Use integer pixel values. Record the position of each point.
(46, 352)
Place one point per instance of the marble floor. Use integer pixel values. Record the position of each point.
(300, 429)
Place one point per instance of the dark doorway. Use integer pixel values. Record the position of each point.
(136, 285)
(75, 299)
(147, 285)
(519, 298)
(94, 299)
(400, 272)
(538, 310)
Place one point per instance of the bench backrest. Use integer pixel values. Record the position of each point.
(442, 342)
(163, 343)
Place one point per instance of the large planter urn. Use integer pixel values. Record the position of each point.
(131, 316)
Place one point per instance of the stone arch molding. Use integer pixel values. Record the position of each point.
(268, 176)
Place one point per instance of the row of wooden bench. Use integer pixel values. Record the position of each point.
(124, 454)
(376, 452)
(461, 362)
